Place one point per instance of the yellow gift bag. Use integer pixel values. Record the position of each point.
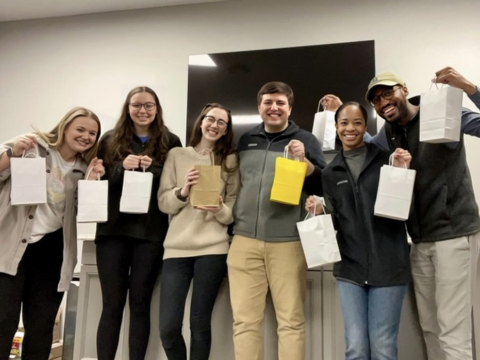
(288, 181)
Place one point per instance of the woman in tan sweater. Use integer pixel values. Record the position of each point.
(196, 245)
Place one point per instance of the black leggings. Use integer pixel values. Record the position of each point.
(126, 265)
(208, 273)
(34, 286)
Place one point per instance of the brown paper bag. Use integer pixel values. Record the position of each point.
(207, 190)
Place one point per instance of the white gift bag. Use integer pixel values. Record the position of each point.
(440, 115)
(395, 191)
(92, 200)
(324, 128)
(136, 192)
(319, 240)
(29, 180)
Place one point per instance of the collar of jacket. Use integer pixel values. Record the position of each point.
(291, 129)
(339, 160)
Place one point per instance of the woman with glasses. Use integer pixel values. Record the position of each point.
(39, 242)
(196, 245)
(129, 247)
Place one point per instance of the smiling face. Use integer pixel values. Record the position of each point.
(393, 110)
(274, 111)
(141, 117)
(351, 126)
(214, 124)
(80, 135)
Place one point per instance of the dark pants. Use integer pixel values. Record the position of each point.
(34, 287)
(208, 273)
(126, 265)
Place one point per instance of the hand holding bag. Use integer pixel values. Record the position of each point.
(288, 180)
(395, 191)
(136, 192)
(319, 240)
(92, 200)
(324, 128)
(29, 179)
(206, 191)
(441, 115)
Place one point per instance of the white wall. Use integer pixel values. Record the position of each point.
(48, 66)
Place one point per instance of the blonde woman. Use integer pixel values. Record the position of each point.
(38, 243)
(196, 245)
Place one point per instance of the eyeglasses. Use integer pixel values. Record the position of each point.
(386, 94)
(148, 106)
(211, 120)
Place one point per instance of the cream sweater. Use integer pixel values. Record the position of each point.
(194, 232)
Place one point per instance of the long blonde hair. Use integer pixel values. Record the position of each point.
(55, 138)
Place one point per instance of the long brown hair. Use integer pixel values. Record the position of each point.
(120, 144)
(55, 137)
(223, 146)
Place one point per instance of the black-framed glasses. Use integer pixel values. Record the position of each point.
(148, 106)
(386, 94)
(211, 120)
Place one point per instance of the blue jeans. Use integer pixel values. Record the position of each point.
(371, 317)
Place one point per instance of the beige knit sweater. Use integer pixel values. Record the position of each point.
(194, 232)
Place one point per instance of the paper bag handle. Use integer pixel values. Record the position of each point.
(31, 153)
(89, 172)
(143, 167)
(318, 107)
(434, 82)
(390, 161)
(285, 154)
(315, 210)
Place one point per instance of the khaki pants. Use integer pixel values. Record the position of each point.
(254, 266)
(443, 274)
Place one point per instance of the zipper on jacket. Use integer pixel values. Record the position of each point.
(260, 187)
(358, 202)
(261, 180)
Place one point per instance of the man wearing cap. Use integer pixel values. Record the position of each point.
(444, 223)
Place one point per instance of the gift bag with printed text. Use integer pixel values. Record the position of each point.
(324, 128)
(395, 191)
(288, 180)
(92, 200)
(319, 240)
(136, 192)
(440, 115)
(29, 179)
(206, 192)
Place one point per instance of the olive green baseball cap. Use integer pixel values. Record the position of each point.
(385, 78)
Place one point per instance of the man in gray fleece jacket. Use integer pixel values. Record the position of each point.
(266, 252)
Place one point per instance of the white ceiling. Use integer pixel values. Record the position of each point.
(11, 10)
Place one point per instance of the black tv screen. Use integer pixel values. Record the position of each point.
(234, 79)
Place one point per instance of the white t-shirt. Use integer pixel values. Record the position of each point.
(48, 217)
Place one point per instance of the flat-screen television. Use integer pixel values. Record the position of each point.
(234, 79)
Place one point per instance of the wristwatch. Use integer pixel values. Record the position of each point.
(9, 152)
(179, 195)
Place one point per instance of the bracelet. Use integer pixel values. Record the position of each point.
(178, 194)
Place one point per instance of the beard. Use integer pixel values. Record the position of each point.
(401, 107)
